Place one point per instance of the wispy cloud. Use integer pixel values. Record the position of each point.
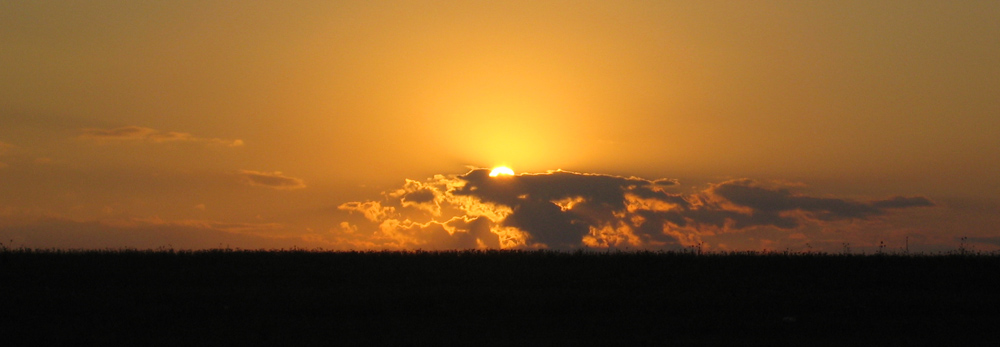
(274, 180)
(565, 210)
(143, 134)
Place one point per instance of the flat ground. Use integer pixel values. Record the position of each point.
(495, 298)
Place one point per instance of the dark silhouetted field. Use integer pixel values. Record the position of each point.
(495, 298)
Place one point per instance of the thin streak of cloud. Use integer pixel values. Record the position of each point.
(143, 134)
(274, 180)
(902, 202)
(995, 241)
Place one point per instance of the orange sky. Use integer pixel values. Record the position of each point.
(273, 124)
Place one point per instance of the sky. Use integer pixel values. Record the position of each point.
(816, 126)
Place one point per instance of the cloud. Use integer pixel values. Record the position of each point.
(567, 210)
(372, 210)
(275, 180)
(143, 134)
(770, 206)
(559, 209)
(902, 202)
(419, 195)
(995, 240)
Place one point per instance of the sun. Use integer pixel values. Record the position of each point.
(501, 171)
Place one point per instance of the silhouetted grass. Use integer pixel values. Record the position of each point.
(253, 297)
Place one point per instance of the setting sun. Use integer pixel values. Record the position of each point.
(501, 171)
(795, 152)
(357, 125)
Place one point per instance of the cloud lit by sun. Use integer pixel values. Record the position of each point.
(501, 171)
(571, 210)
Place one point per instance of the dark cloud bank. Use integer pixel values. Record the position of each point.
(566, 210)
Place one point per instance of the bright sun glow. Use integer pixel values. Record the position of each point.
(501, 170)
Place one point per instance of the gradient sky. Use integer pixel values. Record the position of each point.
(799, 125)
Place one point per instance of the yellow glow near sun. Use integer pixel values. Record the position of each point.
(501, 171)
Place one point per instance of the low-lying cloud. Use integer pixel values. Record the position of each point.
(143, 134)
(568, 210)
